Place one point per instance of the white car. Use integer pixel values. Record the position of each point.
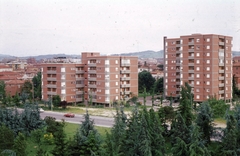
(41, 110)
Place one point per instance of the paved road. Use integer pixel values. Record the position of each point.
(98, 121)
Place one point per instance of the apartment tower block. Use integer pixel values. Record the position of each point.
(203, 61)
(97, 79)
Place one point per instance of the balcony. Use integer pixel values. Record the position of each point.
(221, 64)
(51, 85)
(221, 51)
(221, 92)
(178, 89)
(178, 45)
(191, 84)
(79, 78)
(125, 92)
(79, 85)
(178, 64)
(190, 50)
(191, 57)
(51, 93)
(190, 64)
(178, 82)
(221, 98)
(125, 64)
(125, 78)
(125, 85)
(178, 52)
(190, 71)
(92, 71)
(221, 71)
(79, 71)
(79, 92)
(221, 85)
(79, 99)
(178, 76)
(221, 78)
(92, 79)
(51, 78)
(221, 43)
(190, 78)
(92, 86)
(92, 64)
(191, 43)
(125, 71)
(51, 71)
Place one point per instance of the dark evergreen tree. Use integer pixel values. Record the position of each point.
(237, 118)
(7, 138)
(37, 81)
(229, 142)
(16, 99)
(20, 145)
(60, 148)
(87, 139)
(180, 148)
(205, 121)
(115, 139)
(2, 92)
(145, 80)
(56, 100)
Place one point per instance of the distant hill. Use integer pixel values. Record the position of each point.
(144, 54)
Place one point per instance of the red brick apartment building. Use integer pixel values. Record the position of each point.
(100, 78)
(204, 61)
(236, 70)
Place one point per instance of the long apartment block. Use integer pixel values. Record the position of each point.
(97, 79)
(203, 61)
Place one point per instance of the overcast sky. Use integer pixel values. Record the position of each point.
(36, 27)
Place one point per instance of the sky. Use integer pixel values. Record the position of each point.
(39, 27)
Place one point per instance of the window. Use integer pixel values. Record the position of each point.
(107, 91)
(116, 83)
(208, 39)
(198, 54)
(208, 83)
(116, 98)
(208, 61)
(198, 82)
(197, 40)
(197, 90)
(116, 76)
(106, 62)
(116, 69)
(116, 61)
(116, 90)
(208, 47)
(62, 69)
(198, 96)
(198, 61)
(198, 68)
(207, 90)
(207, 97)
(198, 75)
(208, 68)
(208, 75)
(208, 54)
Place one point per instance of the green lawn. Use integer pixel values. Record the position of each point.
(70, 130)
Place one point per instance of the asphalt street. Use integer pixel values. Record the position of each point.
(98, 121)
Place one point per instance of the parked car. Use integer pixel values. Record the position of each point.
(41, 110)
(70, 115)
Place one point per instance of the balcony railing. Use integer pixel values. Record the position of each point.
(92, 64)
(92, 78)
(190, 78)
(51, 78)
(221, 91)
(221, 64)
(221, 43)
(125, 64)
(79, 99)
(79, 78)
(79, 92)
(125, 78)
(79, 85)
(51, 85)
(51, 71)
(51, 93)
(92, 71)
(190, 64)
(79, 71)
(178, 51)
(92, 86)
(221, 71)
(191, 43)
(190, 57)
(221, 85)
(190, 50)
(178, 82)
(125, 71)
(190, 71)
(221, 78)
(125, 85)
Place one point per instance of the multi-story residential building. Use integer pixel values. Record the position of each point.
(203, 61)
(99, 79)
(236, 70)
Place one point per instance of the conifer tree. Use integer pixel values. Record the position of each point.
(7, 138)
(205, 121)
(20, 145)
(114, 140)
(180, 148)
(229, 142)
(87, 139)
(237, 118)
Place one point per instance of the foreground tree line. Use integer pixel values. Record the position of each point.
(186, 131)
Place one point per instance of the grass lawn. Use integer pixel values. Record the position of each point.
(70, 131)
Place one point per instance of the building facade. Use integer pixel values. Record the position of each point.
(203, 61)
(97, 79)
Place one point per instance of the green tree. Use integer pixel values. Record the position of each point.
(145, 80)
(237, 118)
(115, 139)
(159, 85)
(56, 100)
(37, 82)
(9, 100)
(144, 96)
(180, 148)
(27, 88)
(20, 145)
(36, 137)
(205, 121)
(229, 142)
(16, 99)
(7, 138)
(86, 140)
(2, 92)
(60, 148)
(219, 107)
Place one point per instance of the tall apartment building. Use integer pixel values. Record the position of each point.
(204, 61)
(101, 79)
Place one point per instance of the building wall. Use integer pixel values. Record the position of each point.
(100, 79)
(203, 61)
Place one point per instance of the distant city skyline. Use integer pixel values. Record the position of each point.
(30, 28)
